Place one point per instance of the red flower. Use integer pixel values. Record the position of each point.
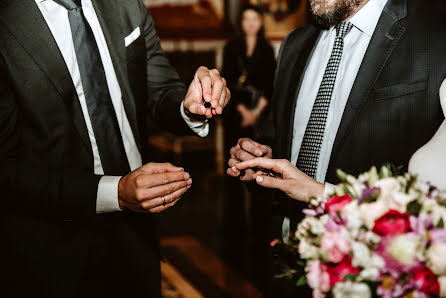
(337, 203)
(427, 281)
(392, 223)
(339, 271)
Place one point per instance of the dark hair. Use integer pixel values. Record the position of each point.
(257, 9)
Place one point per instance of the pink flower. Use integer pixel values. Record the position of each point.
(336, 245)
(392, 223)
(339, 271)
(318, 278)
(337, 203)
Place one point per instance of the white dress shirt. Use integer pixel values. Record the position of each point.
(56, 17)
(355, 46)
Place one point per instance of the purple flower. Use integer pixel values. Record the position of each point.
(369, 193)
(437, 235)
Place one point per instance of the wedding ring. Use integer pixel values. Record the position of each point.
(164, 200)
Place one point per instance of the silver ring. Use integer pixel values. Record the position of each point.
(164, 201)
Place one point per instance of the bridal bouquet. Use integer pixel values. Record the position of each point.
(377, 235)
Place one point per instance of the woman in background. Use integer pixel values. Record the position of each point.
(248, 66)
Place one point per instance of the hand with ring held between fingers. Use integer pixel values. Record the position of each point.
(286, 178)
(153, 187)
(208, 94)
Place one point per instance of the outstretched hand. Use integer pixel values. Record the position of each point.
(153, 188)
(281, 174)
(207, 95)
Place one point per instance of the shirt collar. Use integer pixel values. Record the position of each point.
(366, 19)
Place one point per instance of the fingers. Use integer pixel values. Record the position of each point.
(204, 77)
(156, 168)
(241, 154)
(254, 148)
(146, 194)
(169, 199)
(198, 109)
(277, 165)
(147, 181)
(271, 182)
(218, 87)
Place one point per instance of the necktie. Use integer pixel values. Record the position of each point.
(99, 104)
(310, 149)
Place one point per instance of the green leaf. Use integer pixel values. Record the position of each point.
(440, 224)
(350, 277)
(414, 208)
(302, 281)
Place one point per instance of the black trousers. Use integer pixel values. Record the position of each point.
(120, 264)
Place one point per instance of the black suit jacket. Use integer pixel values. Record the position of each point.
(48, 190)
(394, 105)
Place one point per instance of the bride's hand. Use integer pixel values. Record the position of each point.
(284, 176)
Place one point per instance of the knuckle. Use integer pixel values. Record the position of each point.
(165, 178)
(139, 181)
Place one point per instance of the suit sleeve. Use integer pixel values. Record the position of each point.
(166, 90)
(29, 185)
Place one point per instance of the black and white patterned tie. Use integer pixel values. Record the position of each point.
(310, 149)
(94, 82)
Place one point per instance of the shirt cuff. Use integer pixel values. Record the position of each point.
(200, 127)
(328, 190)
(107, 196)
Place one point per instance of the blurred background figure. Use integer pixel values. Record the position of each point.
(248, 66)
(215, 243)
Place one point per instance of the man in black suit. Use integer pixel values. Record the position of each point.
(358, 89)
(77, 81)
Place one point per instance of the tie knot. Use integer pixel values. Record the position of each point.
(343, 29)
(69, 4)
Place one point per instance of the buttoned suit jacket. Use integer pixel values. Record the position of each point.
(48, 187)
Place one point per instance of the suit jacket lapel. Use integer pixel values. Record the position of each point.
(109, 15)
(26, 23)
(387, 34)
(293, 84)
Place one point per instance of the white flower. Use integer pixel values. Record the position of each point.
(308, 251)
(351, 212)
(387, 187)
(436, 211)
(436, 258)
(370, 212)
(404, 249)
(398, 201)
(351, 290)
(364, 257)
(369, 274)
(310, 226)
(442, 282)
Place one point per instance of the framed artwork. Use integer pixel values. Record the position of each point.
(188, 18)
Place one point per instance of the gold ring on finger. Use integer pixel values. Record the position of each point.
(164, 200)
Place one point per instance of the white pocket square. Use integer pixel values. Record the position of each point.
(132, 37)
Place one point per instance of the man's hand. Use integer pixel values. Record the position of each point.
(249, 117)
(281, 174)
(207, 95)
(246, 149)
(143, 190)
